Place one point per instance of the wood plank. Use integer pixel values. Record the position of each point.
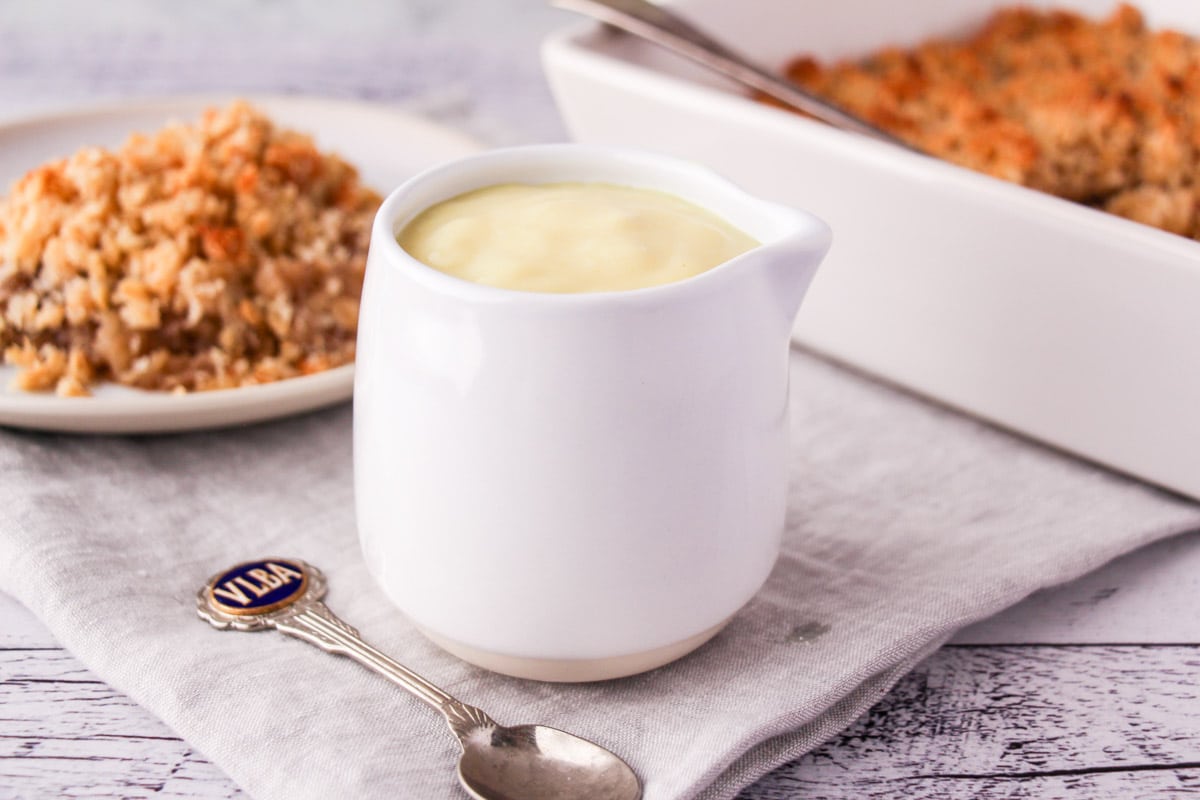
(1034, 721)
(1168, 785)
(1044, 721)
(124, 768)
(19, 628)
(64, 733)
(1147, 597)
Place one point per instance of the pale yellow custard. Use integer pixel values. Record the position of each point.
(571, 237)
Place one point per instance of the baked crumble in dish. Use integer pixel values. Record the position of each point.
(214, 255)
(1105, 112)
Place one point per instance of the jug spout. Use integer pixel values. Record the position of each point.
(789, 261)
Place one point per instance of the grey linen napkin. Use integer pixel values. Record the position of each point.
(907, 522)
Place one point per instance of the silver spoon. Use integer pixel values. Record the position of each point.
(525, 762)
(667, 29)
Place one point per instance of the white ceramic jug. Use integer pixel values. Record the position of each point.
(576, 486)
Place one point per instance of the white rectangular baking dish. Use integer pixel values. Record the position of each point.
(1062, 322)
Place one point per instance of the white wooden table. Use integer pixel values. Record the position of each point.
(1085, 691)
(1091, 690)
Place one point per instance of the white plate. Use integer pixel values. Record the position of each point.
(387, 146)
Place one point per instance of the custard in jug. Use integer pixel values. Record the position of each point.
(571, 237)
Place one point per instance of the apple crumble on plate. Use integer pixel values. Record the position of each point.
(1105, 113)
(221, 254)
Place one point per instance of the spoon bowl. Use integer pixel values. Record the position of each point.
(534, 762)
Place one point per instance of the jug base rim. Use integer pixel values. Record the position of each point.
(571, 670)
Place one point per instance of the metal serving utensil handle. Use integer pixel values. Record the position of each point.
(666, 29)
(285, 595)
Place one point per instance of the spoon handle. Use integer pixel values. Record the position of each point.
(285, 594)
(666, 29)
(316, 624)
